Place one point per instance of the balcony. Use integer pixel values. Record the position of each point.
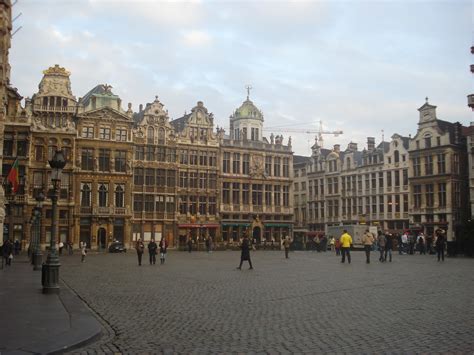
(120, 210)
(102, 210)
(86, 210)
(67, 109)
(16, 198)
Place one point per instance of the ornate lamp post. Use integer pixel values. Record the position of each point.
(50, 271)
(37, 256)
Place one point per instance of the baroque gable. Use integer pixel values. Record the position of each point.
(105, 114)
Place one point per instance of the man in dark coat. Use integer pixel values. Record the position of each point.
(440, 241)
(245, 255)
(7, 251)
(152, 251)
(139, 246)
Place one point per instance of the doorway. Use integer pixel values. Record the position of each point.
(102, 238)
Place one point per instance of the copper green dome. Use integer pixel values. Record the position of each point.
(248, 110)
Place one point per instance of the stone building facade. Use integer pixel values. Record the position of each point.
(255, 180)
(5, 37)
(417, 184)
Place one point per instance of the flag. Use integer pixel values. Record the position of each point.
(13, 176)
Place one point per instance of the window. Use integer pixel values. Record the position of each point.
(202, 205)
(160, 203)
(85, 195)
(212, 205)
(171, 178)
(212, 159)
(104, 133)
(257, 194)
(277, 195)
(104, 160)
(429, 165)
(138, 176)
(268, 195)
(121, 134)
(226, 162)
(103, 192)
(203, 158)
(286, 196)
(417, 196)
(160, 177)
(373, 180)
(397, 178)
(8, 145)
(120, 161)
(193, 205)
(380, 179)
(245, 194)
(396, 156)
(138, 203)
(246, 164)
(139, 153)
(381, 204)
(457, 194)
(150, 135)
(183, 204)
(87, 132)
(429, 195)
(120, 195)
(405, 203)
(171, 155)
(286, 169)
(236, 193)
(389, 179)
(183, 179)
(160, 153)
(149, 177)
(428, 142)
(268, 166)
(441, 163)
(276, 166)
(367, 182)
(442, 195)
(212, 181)
(149, 153)
(417, 166)
(170, 205)
(202, 181)
(226, 192)
(455, 163)
(149, 203)
(87, 159)
(405, 177)
(254, 134)
(438, 141)
(193, 180)
(183, 157)
(193, 157)
(236, 163)
(161, 136)
(21, 146)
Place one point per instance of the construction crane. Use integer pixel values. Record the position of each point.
(319, 132)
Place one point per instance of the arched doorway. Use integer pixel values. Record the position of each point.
(257, 234)
(102, 238)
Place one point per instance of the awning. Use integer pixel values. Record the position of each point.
(198, 225)
(277, 225)
(315, 233)
(235, 224)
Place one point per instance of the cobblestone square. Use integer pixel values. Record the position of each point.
(309, 303)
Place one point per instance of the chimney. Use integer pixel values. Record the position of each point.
(140, 108)
(337, 148)
(352, 147)
(370, 143)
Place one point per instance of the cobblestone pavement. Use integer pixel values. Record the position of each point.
(309, 303)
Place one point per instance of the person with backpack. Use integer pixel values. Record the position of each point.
(368, 239)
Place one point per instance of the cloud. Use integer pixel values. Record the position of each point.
(196, 38)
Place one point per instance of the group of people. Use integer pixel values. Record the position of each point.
(152, 250)
(385, 244)
(207, 241)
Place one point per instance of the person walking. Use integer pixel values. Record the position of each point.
(346, 242)
(17, 247)
(421, 243)
(163, 250)
(337, 245)
(388, 246)
(70, 247)
(440, 240)
(190, 244)
(208, 244)
(245, 254)
(404, 242)
(332, 243)
(381, 243)
(317, 243)
(60, 247)
(286, 245)
(368, 240)
(140, 247)
(7, 251)
(83, 246)
(152, 251)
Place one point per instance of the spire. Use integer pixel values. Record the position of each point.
(248, 87)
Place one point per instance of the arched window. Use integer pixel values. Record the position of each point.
(119, 196)
(161, 136)
(396, 156)
(150, 135)
(103, 195)
(85, 195)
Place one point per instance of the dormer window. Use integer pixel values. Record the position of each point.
(396, 156)
(104, 133)
(87, 132)
(428, 142)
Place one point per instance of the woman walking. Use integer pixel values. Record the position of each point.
(245, 254)
(163, 250)
(140, 247)
(440, 240)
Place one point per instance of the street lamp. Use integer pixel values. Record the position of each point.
(37, 256)
(50, 271)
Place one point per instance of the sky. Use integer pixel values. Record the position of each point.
(363, 67)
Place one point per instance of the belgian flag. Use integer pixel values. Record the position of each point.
(14, 176)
